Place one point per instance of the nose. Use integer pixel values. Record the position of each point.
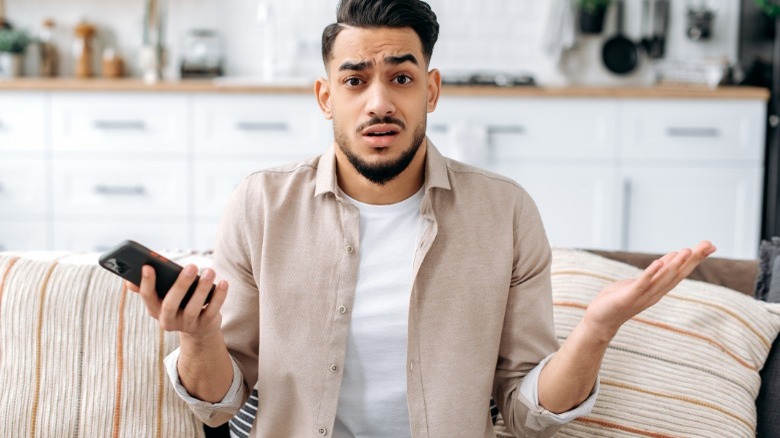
(380, 102)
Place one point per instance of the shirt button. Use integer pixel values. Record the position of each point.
(350, 249)
(342, 310)
(334, 368)
(323, 431)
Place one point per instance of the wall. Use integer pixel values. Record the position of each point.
(491, 35)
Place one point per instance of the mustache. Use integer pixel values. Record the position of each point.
(387, 120)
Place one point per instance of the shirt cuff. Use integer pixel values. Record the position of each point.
(529, 389)
(204, 410)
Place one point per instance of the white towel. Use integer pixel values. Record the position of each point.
(559, 34)
(469, 143)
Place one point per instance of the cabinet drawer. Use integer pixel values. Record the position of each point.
(215, 182)
(22, 186)
(705, 131)
(677, 206)
(24, 235)
(22, 121)
(102, 235)
(134, 188)
(524, 128)
(119, 122)
(275, 125)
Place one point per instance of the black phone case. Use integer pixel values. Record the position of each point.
(127, 258)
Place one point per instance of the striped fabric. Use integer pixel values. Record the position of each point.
(686, 367)
(80, 356)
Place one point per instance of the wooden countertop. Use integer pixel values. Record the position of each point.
(208, 86)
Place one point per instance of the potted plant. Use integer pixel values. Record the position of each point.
(13, 43)
(591, 15)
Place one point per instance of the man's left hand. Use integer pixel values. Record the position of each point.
(620, 301)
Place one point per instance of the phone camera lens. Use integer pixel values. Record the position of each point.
(115, 266)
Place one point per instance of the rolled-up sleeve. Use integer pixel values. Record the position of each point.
(543, 418)
(206, 411)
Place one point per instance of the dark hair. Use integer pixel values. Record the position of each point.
(369, 14)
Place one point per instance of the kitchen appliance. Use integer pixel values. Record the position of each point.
(620, 54)
(201, 54)
(700, 15)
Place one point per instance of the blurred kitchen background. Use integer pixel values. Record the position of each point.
(645, 129)
(495, 35)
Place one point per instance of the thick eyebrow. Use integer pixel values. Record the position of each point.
(365, 65)
(397, 60)
(356, 66)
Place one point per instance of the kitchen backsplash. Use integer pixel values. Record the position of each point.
(476, 35)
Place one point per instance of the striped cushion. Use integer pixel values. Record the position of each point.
(80, 356)
(687, 366)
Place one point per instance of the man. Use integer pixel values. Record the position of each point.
(382, 289)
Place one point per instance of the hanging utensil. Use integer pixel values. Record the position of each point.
(620, 54)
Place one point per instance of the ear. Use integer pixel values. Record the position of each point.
(434, 89)
(322, 91)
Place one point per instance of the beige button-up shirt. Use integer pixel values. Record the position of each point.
(480, 314)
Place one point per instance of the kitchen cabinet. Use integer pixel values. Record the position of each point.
(84, 170)
(648, 175)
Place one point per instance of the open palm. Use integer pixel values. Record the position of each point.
(622, 300)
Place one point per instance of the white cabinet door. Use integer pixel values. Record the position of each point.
(131, 124)
(674, 207)
(23, 121)
(105, 188)
(579, 204)
(23, 185)
(481, 130)
(287, 126)
(700, 132)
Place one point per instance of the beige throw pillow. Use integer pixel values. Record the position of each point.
(687, 366)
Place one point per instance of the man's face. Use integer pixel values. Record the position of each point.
(378, 96)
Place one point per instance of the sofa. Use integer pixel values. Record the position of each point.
(79, 355)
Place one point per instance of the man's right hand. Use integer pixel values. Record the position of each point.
(197, 319)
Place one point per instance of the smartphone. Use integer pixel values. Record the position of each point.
(127, 258)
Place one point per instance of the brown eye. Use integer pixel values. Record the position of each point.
(403, 79)
(353, 82)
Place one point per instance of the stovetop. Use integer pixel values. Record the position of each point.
(489, 79)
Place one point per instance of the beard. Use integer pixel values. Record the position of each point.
(382, 172)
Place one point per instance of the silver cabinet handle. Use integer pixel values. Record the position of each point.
(626, 216)
(506, 129)
(119, 125)
(438, 127)
(120, 190)
(262, 126)
(2, 247)
(692, 132)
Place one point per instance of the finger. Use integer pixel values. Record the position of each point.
(647, 275)
(214, 306)
(195, 306)
(700, 252)
(172, 300)
(148, 292)
(131, 287)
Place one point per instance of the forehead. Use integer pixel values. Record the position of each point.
(361, 44)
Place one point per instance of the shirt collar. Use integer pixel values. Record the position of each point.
(435, 170)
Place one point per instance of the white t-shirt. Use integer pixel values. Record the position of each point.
(372, 401)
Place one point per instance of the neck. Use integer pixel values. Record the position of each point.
(360, 188)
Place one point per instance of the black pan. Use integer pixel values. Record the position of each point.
(620, 54)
